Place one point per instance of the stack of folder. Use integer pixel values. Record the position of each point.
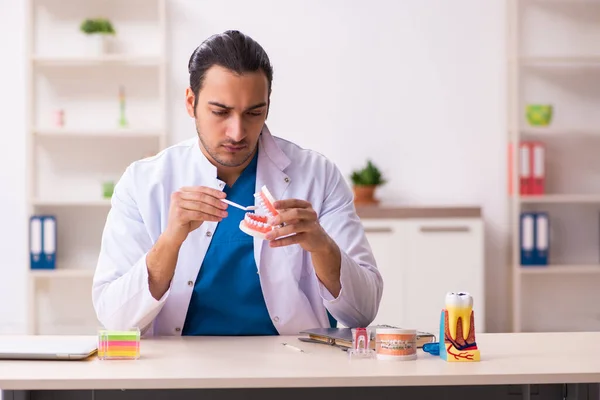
(42, 242)
(532, 171)
(534, 238)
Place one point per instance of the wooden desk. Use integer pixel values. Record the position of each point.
(173, 363)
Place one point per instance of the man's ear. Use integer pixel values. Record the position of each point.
(190, 101)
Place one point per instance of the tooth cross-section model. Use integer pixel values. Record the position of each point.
(457, 329)
(258, 225)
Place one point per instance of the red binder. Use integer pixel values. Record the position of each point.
(510, 169)
(538, 170)
(525, 165)
(532, 168)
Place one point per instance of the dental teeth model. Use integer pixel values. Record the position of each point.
(457, 329)
(459, 307)
(259, 225)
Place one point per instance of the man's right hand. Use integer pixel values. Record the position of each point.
(190, 207)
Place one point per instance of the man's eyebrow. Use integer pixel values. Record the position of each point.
(259, 105)
(215, 103)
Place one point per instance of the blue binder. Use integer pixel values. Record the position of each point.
(542, 238)
(527, 238)
(534, 238)
(42, 242)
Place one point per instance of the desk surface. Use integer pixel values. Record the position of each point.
(251, 362)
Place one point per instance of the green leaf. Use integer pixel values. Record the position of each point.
(370, 175)
(97, 25)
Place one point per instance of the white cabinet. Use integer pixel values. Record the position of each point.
(441, 256)
(384, 236)
(423, 259)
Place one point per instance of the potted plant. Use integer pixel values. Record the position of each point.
(365, 182)
(98, 31)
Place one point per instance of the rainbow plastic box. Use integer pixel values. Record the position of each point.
(119, 345)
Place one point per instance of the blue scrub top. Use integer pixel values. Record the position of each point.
(227, 297)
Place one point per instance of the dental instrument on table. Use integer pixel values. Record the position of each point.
(231, 203)
(289, 346)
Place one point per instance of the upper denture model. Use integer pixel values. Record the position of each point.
(258, 225)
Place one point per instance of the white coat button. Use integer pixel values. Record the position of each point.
(177, 329)
(286, 179)
(190, 283)
(276, 319)
(221, 185)
(209, 233)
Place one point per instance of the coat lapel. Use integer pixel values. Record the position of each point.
(270, 172)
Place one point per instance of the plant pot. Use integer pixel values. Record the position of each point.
(539, 114)
(365, 194)
(97, 44)
(108, 188)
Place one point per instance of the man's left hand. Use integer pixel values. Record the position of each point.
(300, 221)
(301, 226)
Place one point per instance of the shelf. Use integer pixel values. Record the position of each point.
(553, 58)
(61, 273)
(562, 198)
(569, 61)
(566, 2)
(560, 132)
(72, 203)
(97, 61)
(100, 133)
(93, 87)
(560, 269)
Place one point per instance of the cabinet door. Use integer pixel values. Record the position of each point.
(385, 237)
(443, 255)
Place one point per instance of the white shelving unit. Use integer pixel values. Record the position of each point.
(554, 58)
(68, 164)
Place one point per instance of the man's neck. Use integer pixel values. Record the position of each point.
(228, 174)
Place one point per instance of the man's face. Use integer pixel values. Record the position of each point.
(230, 113)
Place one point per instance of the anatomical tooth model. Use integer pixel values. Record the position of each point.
(259, 225)
(457, 329)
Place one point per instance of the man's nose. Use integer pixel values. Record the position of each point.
(236, 130)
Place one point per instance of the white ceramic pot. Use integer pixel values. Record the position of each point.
(97, 44)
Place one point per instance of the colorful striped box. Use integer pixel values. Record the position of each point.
(119, 345)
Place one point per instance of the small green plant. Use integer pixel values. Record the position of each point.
(97, 25)
(368, 176)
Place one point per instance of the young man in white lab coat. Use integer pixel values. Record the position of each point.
(173, 260)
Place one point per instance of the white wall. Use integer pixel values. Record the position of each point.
(13, 213)
(417, 86)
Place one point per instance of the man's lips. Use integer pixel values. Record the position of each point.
(234, 148)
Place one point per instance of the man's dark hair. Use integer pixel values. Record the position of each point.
(232, 50)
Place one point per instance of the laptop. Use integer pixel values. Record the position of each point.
(34, 347)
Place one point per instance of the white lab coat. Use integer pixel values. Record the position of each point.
(295, 298)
